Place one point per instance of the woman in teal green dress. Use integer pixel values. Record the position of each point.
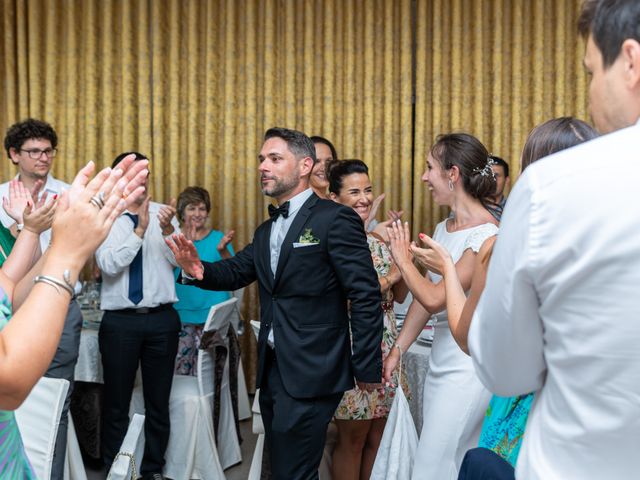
(193, 208)
(14, 463)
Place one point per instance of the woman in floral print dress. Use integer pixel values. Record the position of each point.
(361, 415)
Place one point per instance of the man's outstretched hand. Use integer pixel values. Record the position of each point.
(186, 255)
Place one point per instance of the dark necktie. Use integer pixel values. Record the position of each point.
(281, 210)
(135, 269)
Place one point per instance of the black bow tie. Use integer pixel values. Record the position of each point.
(281, 210)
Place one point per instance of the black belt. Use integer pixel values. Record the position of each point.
(146, 310)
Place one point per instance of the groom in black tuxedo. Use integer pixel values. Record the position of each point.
(315, 278)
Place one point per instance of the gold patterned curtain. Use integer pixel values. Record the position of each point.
(495, 69)
(195, 83)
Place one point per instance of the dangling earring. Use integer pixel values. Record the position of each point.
(450, 185)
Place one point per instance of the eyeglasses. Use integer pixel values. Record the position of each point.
(36, 153)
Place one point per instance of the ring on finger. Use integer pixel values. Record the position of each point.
(101, 196)
(97, 202)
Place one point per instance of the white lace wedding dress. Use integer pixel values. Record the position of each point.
(454, 399)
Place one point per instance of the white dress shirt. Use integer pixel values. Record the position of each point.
(118, 251)
(279, 229)
(560, 313)
(53, 186)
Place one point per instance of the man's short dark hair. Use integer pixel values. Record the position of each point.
(610, 23)
(300, 145)
(20, 132)
(120, 157)
(498, 161)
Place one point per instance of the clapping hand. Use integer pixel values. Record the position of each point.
(434, 257)
(86, 212)
(19, 198)
(225, 240)
(186, 255)
(381, 228)
(374, 210)
(39, 218)
(143, 217)
(189, 230)
(165, 215)
(399, 243)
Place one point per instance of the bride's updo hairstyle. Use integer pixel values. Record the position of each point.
(472, 159)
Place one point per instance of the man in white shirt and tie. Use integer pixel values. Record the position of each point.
(559, 314)
(31, 145)
(139, 326)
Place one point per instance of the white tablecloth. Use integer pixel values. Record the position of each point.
(416, 363)
(89, 366)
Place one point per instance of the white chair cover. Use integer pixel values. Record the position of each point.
(73, 463)
(219, 319)
(258, 429)
(244, 406)
(38, 419)
(256, 461)
(236, 316)
(127, 463)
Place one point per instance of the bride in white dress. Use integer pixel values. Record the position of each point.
(459, 175)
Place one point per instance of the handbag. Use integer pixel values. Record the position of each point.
(399, 441)
(132, 465)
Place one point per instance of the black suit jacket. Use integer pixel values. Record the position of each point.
(308, 301)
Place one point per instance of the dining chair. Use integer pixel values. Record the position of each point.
(244, 405)
(38, 419)
(73, 463)
(126, 464)
(219, 320)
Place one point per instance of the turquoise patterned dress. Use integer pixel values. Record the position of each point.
(504, 424)
(14, 464)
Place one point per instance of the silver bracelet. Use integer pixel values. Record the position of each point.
(66, 276)
(57, 284)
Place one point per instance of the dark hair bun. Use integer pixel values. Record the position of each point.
(339, 169)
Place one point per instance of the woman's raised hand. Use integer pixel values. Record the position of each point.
(88, 209)
(225, 240)
(189, 230)
(19, 198)
(374, 210)
(399, 243)
(39, 218)
(434, 257)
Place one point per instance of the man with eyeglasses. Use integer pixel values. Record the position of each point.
(31, 146)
